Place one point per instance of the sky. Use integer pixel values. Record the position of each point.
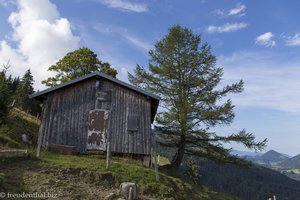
(257, 41)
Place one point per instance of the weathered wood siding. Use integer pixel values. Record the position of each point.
(65, 115)
(126, 102)
(66, 111)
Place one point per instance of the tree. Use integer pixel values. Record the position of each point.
(13, 83)
(183, 72)
(4, 94)
(24, 89)
(76, 64)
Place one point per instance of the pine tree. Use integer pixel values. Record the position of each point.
(183, 72)
(24, 89)
(4, 96)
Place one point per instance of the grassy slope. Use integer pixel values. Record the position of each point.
(81, 176)
(18, 122)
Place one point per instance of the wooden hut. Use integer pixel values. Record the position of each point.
(92, 110)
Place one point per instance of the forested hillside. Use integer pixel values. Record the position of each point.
(254, 183)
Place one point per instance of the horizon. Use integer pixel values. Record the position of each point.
(256, 41)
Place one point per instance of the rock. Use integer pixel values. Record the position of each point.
(111, 196)
(129, 190)
(146, 161)
(83, 173)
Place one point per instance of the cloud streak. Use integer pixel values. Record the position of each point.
(228, 27)
(239, 10)
(293, 40)
(133, 40)
(271, 81)
(266, 39)
(125, 5)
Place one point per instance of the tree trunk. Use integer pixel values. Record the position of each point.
(179, 155)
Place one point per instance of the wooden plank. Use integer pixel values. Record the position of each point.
(41, 130)
(63, 149)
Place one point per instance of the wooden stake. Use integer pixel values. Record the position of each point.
(39, 144)
(107, 156)
(151, 158)
(156, 167)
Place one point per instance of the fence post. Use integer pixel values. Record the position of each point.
(156, 167)
(108, 156)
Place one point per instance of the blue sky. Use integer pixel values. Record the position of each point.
(257, 41)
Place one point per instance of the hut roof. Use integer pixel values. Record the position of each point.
(154, 98)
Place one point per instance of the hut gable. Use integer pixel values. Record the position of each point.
(90, 111)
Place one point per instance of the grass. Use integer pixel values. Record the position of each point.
(125, 170)
(82, 176)
(8, 142)
(163, 161)
(25, 116)
(19, 122)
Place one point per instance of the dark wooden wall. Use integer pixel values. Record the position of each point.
(125, 102)
(65, 116)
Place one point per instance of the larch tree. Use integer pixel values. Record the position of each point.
(183, 72)
(76, 64)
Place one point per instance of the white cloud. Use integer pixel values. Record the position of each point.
(266, 39)
(228, 27)
(293, 40)
(41, 37)
(133, 40)
(125, 5)
(271, 81)
(239, 10)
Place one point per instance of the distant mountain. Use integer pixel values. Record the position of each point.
(254, 183)
(291, 163)
(268, 159)
(285, 164)
(273, 156)
(244, 153)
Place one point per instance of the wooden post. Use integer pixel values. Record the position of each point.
(13, 103)
(38, 149)
(156, 167)
(108, 156)
(151, 158)
(39, 144)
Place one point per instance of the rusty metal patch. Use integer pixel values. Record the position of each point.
(97, 129)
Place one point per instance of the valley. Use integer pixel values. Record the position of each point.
(283, 163)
